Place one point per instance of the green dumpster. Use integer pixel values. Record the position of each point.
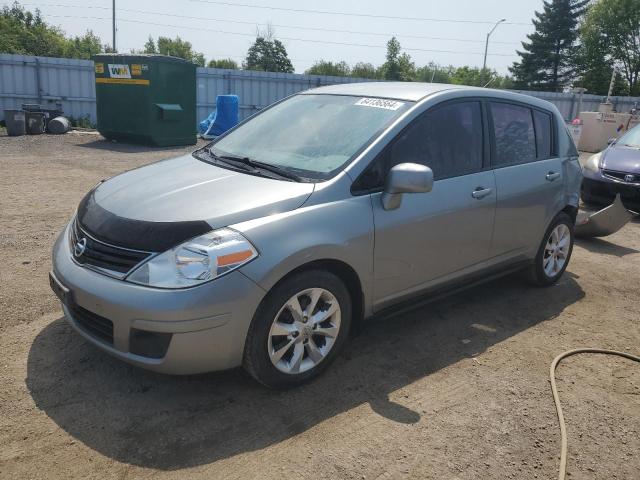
(148, 99)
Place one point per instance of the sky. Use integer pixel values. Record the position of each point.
(447, 32)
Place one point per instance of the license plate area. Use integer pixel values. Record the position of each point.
(62, 292)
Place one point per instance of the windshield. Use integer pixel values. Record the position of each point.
(313, 136)
(631, 138)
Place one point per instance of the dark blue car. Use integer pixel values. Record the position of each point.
(615, 170)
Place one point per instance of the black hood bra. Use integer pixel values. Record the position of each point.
(134, 234)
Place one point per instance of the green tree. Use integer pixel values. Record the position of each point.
(176, 48)
(434, 73)
(337, 69)
(398, 66)
(548, 59)
(268, 55)
(472, 76)
(85, 46)
(225, 63)
(25, 33)
(610, 36)
(150, 46)
(595, 72)
(364, 70)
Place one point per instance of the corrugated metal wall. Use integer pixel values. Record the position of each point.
(255, 89)
(570, 104)
(48, 81)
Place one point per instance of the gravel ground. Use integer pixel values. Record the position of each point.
(458, 389)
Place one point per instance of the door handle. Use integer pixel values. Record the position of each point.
(551, 176)
(481, 192)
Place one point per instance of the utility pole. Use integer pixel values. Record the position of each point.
(611, 84)
(114, 27)
(486, 45)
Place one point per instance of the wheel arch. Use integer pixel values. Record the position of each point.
(345, 272)
(570, 210)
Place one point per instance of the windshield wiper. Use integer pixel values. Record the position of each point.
(257, 166)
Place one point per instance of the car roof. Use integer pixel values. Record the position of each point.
(415, 91)
(408, 91)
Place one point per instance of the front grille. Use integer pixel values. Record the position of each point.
(115, 260)
(621, 176)
(98, 327)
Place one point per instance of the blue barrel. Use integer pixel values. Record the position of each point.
(226, 116)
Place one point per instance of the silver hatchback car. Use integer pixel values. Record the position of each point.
(264, 248)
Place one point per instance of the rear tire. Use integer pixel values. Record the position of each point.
(554, 253)
(298, 330)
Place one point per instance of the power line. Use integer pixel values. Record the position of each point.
(294, 27)
(368, 15)
(293, 39)
(318, 29)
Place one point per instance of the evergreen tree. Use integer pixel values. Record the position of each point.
(547, 62)
(398, 66)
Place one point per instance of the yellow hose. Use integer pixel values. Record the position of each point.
(556, 398)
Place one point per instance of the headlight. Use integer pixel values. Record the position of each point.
(196, 261)
(593, 163)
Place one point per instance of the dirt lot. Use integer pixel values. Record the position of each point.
(455, 390)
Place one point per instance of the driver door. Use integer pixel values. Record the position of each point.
(437, 236)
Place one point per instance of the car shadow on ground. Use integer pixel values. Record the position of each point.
(599, 245)
(164, 422)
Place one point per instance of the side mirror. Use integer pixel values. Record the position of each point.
(611, 141)
(405, 178)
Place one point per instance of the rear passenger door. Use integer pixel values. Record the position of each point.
(528, 176)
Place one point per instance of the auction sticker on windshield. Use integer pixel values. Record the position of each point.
(380, 103)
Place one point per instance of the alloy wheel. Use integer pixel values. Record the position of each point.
(556, 250)
(304, 331)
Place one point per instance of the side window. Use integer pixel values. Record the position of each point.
(514, 134)
(447, 139)
(542, 123)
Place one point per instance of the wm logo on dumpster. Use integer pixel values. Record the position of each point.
(119, 71)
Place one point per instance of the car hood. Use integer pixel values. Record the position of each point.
(622, 159)
(157, 206)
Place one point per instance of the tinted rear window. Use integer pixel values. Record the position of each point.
(543, 133)
(514, 134)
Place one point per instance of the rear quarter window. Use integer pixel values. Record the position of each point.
(544, 136)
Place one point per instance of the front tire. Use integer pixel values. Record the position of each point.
(298, 330)
(554, 253)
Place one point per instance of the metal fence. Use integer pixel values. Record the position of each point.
(570, 104)
(71, 83)
(255, 89)
(49, 82)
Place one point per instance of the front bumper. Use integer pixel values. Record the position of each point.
(598, 189)
(206, 325)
